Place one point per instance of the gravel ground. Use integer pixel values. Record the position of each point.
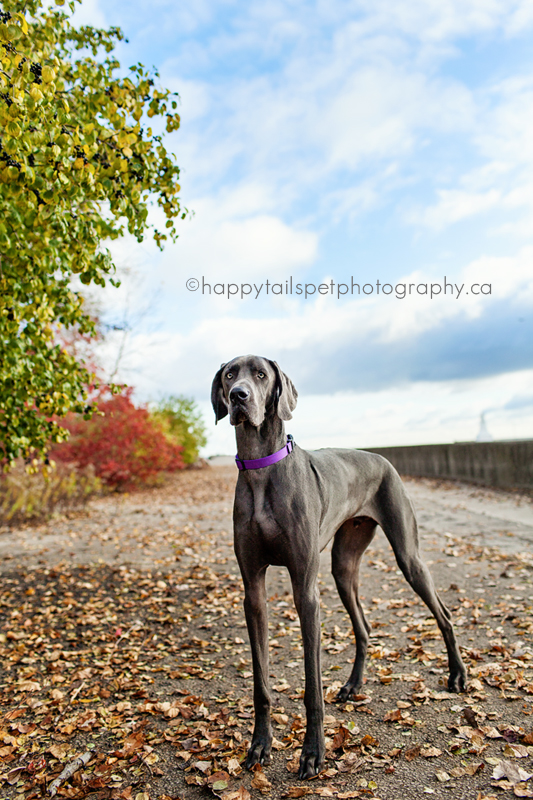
(181, 635)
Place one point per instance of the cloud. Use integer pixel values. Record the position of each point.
(307, 131)
(362, 344)
(231, 239)
(519, 402)
(437, 20)
(89, 13)
(501, 131)
(455, 205)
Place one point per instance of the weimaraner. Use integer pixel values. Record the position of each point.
(289, 503)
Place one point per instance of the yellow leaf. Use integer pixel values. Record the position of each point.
(78, 164)
(127, 152)
(23, 23)
(13, 128)
(36, 93)
(48, 74)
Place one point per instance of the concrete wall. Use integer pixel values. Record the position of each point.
(504, 464)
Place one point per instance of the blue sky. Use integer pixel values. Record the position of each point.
(382, 140)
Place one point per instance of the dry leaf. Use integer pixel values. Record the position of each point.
(521, 790)
(393, 716)
(474, 767)
(511, 772)
(294, 764)
(241, 793)
(203, 766)
(430, 752)
(260, 780)
(369, 741)
(516, 751)
(234, 766)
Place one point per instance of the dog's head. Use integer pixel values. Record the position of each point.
(250, 388)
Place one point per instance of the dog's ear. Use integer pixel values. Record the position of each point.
(220, 406)
(285, 394)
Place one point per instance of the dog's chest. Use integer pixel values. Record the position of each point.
(266, 514)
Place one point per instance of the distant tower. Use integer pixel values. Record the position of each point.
(484, 434)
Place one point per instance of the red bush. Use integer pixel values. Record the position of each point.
(125, 446)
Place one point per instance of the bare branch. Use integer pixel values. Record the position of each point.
(71, 768)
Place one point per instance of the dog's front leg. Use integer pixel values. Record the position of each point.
(306, 598)
(257, 622)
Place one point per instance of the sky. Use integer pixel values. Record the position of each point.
(340, 144)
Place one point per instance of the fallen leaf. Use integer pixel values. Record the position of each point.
(412, 752)
(241, 793)
(293, 764)
(234, 767)
(457, 772)
(203, 766)
(521, 790)
(474, 767)
(512, 772)
(393, 716)
(516, 751)
(260, 780)
(491, 732)
(430, 752)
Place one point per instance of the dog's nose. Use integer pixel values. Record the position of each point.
(239, 393)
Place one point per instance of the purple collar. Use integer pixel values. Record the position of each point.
(267, 461)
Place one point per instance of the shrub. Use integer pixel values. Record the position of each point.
(183, 424)
(125, 445)
(35, 495)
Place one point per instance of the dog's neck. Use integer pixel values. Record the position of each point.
(259, 442)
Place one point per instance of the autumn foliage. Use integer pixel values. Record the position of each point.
(125, 445)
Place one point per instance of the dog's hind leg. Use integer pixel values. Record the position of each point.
(351, 541)
(399, 525)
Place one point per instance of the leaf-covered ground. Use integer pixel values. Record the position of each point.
(123, 636)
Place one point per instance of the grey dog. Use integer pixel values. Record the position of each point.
(286, 513)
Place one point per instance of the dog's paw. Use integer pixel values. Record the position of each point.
(259, 752)
(312, 759)
(347, 692)
(457, 681)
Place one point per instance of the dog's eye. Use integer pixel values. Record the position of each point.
(260, 374)
(229, 374)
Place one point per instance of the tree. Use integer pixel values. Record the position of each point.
(123, 443)
(78, 166)
(182, 423)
